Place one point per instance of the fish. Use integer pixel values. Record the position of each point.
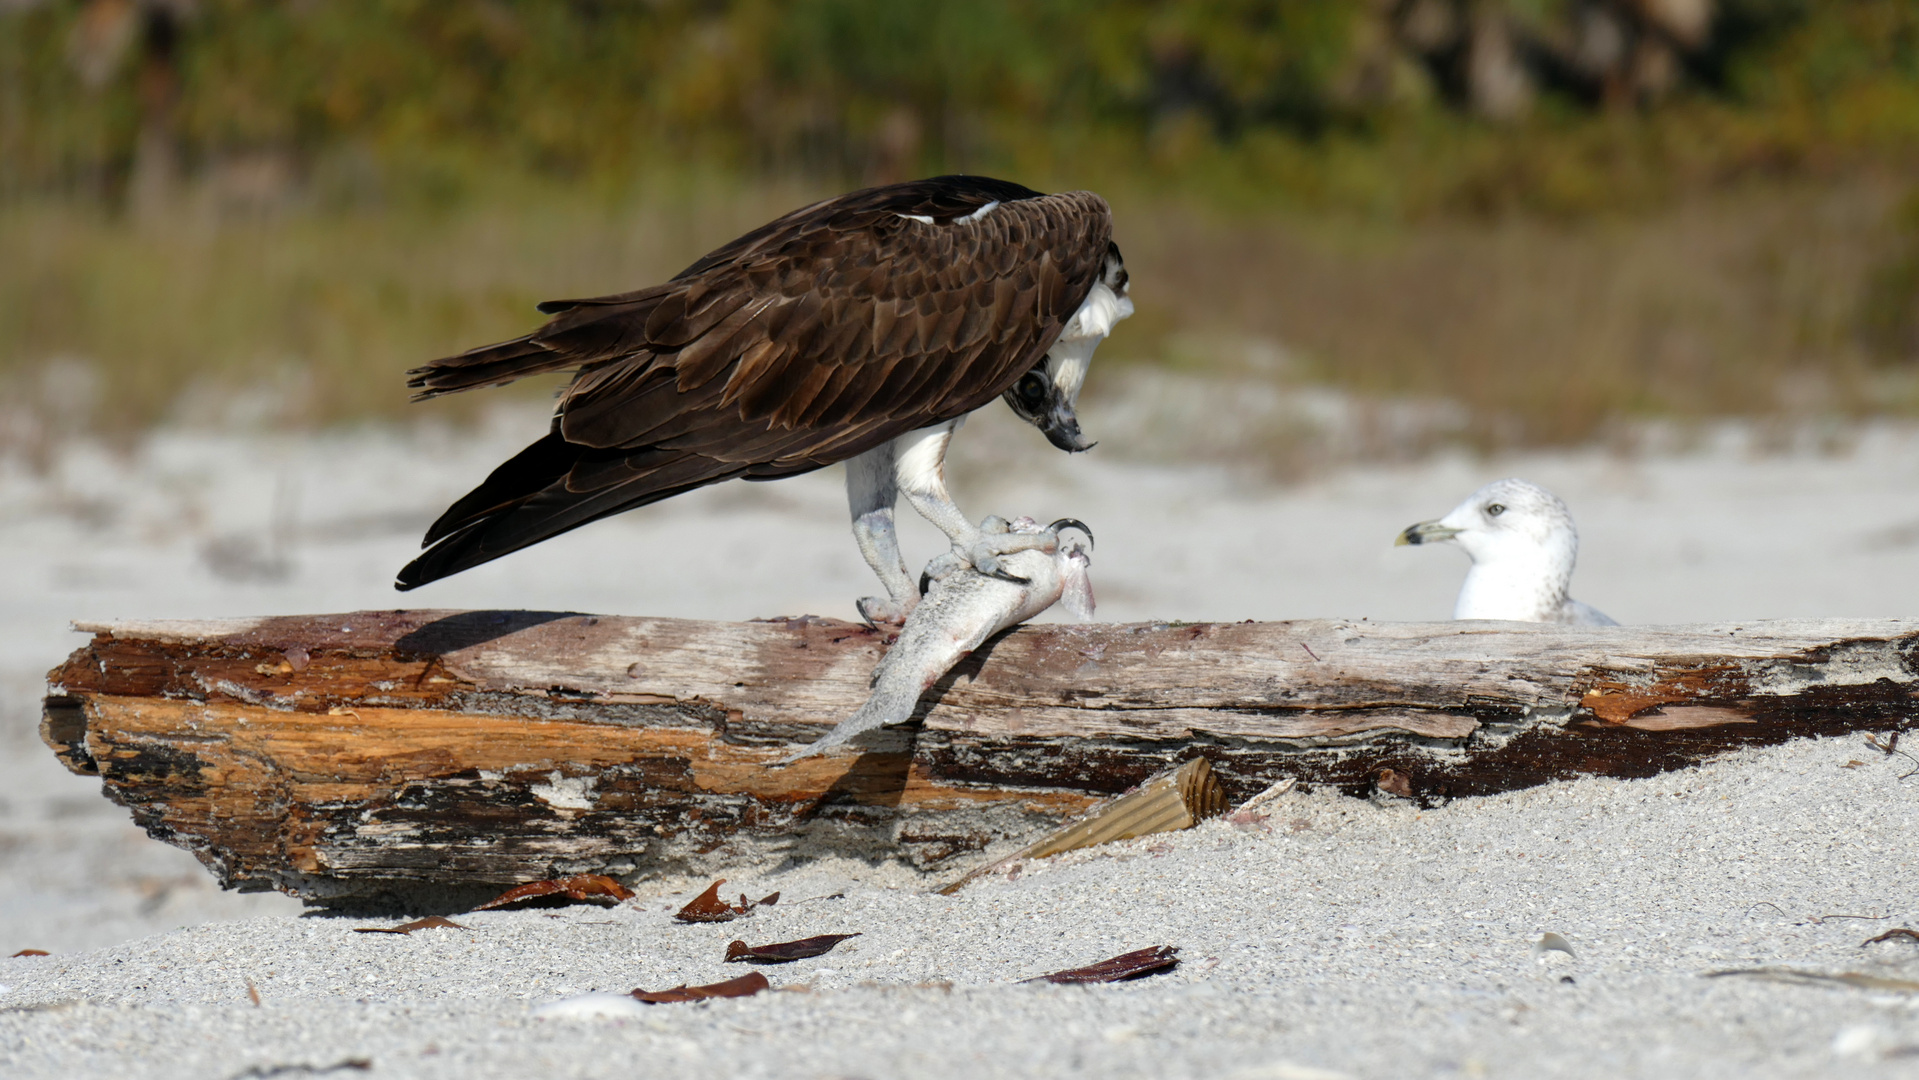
(960, 609)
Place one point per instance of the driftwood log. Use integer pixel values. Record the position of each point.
(386, 755)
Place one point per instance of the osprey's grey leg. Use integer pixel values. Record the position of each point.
(920, 472)
(871, 493)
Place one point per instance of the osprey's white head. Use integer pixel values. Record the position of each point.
(1521, 540)
(1048, 395)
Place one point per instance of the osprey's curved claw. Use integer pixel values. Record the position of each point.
(986, 561)
(1073, 523)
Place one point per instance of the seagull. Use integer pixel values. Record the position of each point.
(861, 329)
(1521, 540)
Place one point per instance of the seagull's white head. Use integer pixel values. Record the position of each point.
(1521, 540)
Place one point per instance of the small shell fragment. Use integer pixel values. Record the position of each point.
(1549, 943)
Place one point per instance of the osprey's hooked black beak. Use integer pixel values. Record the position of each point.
(1040, 402)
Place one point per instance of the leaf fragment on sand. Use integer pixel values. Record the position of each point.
(29, 952)
(1133, 965)
(301, 1068)
(1394, 782)
(428, 923)
(1855, 979)
(708, 907)
(785, 951)
(744, 986)
(1901, 932)
(580, 888)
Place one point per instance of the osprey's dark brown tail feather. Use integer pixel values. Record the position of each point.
(494, 365)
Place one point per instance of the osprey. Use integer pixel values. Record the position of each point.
(860, 329)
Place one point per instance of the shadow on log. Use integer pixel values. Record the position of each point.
(426, 757)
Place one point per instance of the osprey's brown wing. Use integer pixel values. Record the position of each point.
(810, 340)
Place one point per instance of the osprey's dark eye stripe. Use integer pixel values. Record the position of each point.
(1495, 509)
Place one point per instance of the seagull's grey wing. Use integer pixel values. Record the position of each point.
(808, 341)
(1582, 614)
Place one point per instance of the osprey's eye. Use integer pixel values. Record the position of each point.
(1494, 509)
(1032, 391)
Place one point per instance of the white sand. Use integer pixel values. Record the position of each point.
(1368, 941)
(1362, 940)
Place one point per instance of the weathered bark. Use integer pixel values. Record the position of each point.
(382, 753)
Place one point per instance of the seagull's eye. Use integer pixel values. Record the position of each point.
(1494, 509)
(1032, 391)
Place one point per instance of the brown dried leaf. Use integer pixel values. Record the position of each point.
(1852, 764)
(1394, 782)
(1132, 965)
(708, 907)
(785, 951)
(580, 888)
(1890, 934)
(428, 923)
(30, 952)
(744, 986)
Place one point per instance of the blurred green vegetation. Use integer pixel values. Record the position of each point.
(1556, 212)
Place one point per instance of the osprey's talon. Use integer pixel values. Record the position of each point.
(998, 537)
(988, 564)
(1072, 523)
(940, 568)
(880, 612)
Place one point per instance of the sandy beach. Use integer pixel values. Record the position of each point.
(1337, 937)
